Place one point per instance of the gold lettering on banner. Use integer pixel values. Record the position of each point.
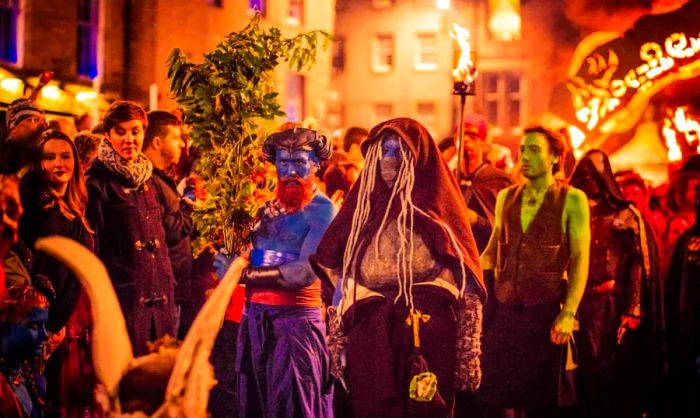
(596, 100)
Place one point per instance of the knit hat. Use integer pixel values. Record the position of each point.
(20, 109)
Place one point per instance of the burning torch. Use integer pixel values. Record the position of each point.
(463, 78)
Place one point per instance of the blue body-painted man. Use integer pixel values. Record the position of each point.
(282, 356)
(23, 317)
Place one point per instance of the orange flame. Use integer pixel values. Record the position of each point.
(680, 123)
(465, 71)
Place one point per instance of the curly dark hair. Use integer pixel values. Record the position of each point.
(556, 141)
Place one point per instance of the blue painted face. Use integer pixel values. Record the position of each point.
(298, 163)
(390, 163)
(29, 335)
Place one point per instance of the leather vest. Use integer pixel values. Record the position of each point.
(531, 265)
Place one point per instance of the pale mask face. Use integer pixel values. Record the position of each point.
(392, 157)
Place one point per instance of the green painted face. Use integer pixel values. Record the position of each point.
(536, 159)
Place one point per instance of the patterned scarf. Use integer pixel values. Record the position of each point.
(136, 172)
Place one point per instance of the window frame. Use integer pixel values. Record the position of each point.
(300, 5)
(503, 98)
(418, 63)
(87, 39)
(378, 66)
(13, 56)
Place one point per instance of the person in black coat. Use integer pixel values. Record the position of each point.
(54, 195)
(163, 145)
(125, 210)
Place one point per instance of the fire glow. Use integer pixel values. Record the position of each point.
(465, 73)
(681, 123)
(662, 63)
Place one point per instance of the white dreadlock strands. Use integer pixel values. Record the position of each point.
(366, 187)
(405, 222)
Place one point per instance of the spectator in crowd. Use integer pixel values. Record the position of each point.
(479, 186)
(84, 122)
(125, 210)
(351, 144)
(24, 123)
(87, 144)
(64, 125)
(54, 196)
(163, 145)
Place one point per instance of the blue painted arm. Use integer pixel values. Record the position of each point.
(299, 274)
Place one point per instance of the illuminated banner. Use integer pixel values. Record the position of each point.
(611, 82)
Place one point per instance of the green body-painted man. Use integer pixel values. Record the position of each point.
(539, 253)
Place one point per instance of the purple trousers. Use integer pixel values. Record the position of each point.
(283, 363)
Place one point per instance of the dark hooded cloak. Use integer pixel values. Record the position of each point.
(435, 192)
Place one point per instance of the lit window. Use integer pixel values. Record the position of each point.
(216, 3)
(338, 55)
(383, 53)
(296, 12)
(382, 112)
(295, 97)
(382, 4)
(9, 16)
(88, 21)
(426, 58)
(426, 115)
(503, 100)
(259, 5)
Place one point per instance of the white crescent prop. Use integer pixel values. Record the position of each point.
(111, 348)
(192, 378)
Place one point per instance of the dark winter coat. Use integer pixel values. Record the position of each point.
(131, 241)
(178, 227)
(41, 218)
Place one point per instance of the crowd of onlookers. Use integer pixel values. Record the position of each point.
(124, 189)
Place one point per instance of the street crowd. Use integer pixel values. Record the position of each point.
(383, 279)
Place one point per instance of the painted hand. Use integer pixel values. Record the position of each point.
(562, 328)
(221, 263)
(626, 323)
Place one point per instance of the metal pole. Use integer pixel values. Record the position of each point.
(461, 157)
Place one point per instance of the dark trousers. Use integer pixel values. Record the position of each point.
(223, 399)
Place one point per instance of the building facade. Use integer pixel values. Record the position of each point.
(119, 48)
(395, 58)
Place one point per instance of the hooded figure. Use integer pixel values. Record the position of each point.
(403, 259)
(621, 313)
(683, 317)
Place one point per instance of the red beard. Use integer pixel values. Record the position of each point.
(294, 193)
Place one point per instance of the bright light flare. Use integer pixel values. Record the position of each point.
(12, 85)
(442, 4)
(84, 96)
(577, 136)
(51, 93)
(505, 21)
(465, 71)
